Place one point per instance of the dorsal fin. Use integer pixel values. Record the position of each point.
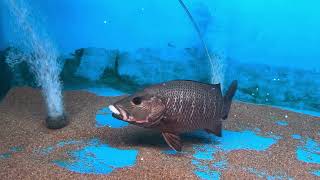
(218, 86)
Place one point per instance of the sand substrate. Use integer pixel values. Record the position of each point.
(22, 115)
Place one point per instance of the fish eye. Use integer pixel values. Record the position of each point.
(136, 100)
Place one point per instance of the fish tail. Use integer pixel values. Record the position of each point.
(227, 99)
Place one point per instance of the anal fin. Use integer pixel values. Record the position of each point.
(216, 129)
(172, 140)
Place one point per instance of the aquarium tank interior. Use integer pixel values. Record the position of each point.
(159, 89)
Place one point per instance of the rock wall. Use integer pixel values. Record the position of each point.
(5, 76)
(129, 71)
(148, 66)
(278, 86)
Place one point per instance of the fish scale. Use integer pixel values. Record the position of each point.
(191, 93)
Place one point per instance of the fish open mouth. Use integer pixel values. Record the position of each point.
(118, 113)
(121, 114)
(117, 116)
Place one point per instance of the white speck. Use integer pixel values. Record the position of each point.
(141, 159)
(252, 94)
(142, 9)
(267, 94)
(257, 89)
(278, 79)
(113, 109)
(286, 116)
(235, 115)
(105, 22)
(267, 99)
(274, 79)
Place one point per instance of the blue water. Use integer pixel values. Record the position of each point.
(235, 31)
(104, 91)
(252, 31)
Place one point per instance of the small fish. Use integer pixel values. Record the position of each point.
(177, 107)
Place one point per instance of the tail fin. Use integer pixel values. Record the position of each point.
(227, 99)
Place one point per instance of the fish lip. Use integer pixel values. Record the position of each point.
(119, 113)
(117, 116)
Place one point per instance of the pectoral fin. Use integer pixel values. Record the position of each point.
(172, 140)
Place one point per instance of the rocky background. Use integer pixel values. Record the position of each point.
(129, 71)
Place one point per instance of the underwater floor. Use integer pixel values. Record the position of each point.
(258, 142)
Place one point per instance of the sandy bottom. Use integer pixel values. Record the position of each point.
(259, 143)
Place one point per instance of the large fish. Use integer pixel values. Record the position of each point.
(176, 107)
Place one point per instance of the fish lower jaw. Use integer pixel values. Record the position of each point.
(131, 119)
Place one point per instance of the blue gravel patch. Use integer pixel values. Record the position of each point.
(296, 136)
(309, 152)
(316, 172)
(98, 158)
(282, 123)
(230, 141)
(12, 150)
